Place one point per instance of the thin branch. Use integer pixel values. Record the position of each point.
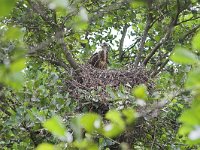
(190, 32)
(121, 44)
(157, 46)
(160, 61)
(190, 19)
(59, 35)
(54, 16)
(33, 52)
(172, 24)
(154, 20)
(128, 49)
(143, 39)
(178, 11)
(51, 60)
(69, 57)
(38, 48)
(108, 9)
(4, 110)
(58, 63)
(133, 45)
(157, 106)
(160, 69)
(41, 12)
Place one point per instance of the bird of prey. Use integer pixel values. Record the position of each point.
(100, 59)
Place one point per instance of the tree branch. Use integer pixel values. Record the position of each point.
(121, 44)
(51, 60)
(191, 19)
(143, 39)
(133, 45)
(172, 24)
(157, 46)
(154, 73)
(189, 33)
(108, 9)
(68, 56)
(59, 36)
(37, 6)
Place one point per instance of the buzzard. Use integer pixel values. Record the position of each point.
(100, 59)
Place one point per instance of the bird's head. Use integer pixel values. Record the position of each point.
(105, 46)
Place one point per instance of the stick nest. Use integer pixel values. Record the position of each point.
(89, 85)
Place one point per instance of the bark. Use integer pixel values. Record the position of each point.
(157, 46)
(171, 26)
(69, 57)
(145, 34)
(59, 30)
(121, 44)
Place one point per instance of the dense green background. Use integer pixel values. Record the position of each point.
(42, 42)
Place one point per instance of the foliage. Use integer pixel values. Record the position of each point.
(43, 45)
(190, 118)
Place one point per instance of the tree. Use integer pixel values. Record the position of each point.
(60, 36)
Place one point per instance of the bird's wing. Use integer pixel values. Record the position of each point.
(94, 59)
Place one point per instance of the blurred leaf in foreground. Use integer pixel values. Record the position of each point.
(6, 6)
(184, 56)
(196, 42)
(55, 126)
(45, 146)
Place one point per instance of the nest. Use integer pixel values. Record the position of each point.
(89, 86)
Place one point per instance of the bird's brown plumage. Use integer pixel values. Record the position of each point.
(100, 59)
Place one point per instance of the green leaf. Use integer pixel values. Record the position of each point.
(55, 126)
(112, 130)
(129, 114)
(116, 126)
(15, 80)
(193, 80)
(13, 33)
(190, 127)
(2, 72)
(45, 146)
(60, 12)
(79, 24)
(111, 93)
(137, 4)
(91, 122)
(89, 145)
(6, 6)
(115, 117)
(191, 116)
(18, 65)
(76, 127)
(196, 42)
(183, 130)
(184, 56)
(140, 92)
